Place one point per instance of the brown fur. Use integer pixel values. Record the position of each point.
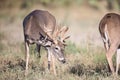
(110, 24)
(34, 24)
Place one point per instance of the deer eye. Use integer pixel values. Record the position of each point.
(56, 48)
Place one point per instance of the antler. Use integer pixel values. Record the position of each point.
(63, 30)
(48, 33)
(58, 34)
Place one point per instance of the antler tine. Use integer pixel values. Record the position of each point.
(56, 32)
(66, 38)
(47, 32)
(63, 31)
(50, 35)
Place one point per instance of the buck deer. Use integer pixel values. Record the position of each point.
(40, 28)
(109, 28)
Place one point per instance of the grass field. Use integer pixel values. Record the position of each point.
(82, 64)
(85, 53)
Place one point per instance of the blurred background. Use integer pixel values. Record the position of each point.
(81, 16)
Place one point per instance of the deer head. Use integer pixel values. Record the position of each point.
(57, 46)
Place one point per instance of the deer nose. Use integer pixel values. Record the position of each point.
(62, 60)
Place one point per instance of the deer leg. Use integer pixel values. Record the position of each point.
(106, 44)
(38, 47)
(26, 56)
(49, 57)
(49, 60)
(106, 39)
(117, 61)
(53, 64)
(110, 54)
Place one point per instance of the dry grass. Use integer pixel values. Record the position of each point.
(83, 65)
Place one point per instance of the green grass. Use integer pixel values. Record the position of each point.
(71, 48)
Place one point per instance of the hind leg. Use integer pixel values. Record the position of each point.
(26, 57)
(117, 61)
(110, 54)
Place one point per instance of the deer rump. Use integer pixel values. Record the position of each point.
(109, 29)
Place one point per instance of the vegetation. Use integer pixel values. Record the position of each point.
(86, 62)
(29, 3)
(83, 65)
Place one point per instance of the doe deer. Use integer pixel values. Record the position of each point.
(40, 28)
(109, 28)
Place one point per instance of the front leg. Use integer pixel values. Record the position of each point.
(51, 59)
(26, 57)
(53, 64)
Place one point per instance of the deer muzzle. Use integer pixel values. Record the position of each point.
(62, 60)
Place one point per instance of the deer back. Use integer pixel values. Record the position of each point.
(35, 22)
(110, 23)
